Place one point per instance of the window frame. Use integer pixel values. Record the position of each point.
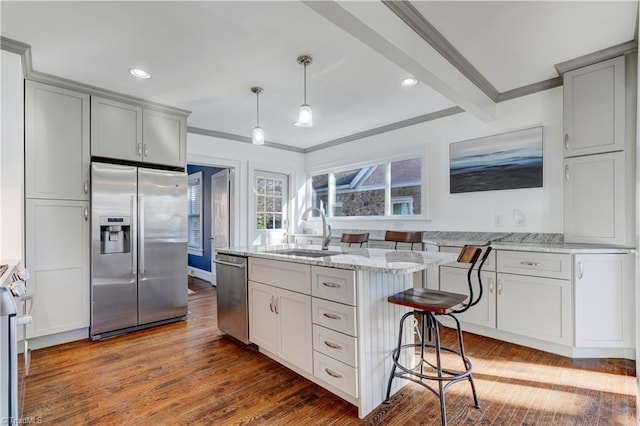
(336, 168)
(195, 179)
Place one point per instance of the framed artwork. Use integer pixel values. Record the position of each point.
(506, 161)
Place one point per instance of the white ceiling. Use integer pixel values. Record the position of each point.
(205, 56)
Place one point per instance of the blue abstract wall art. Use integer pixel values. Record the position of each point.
(506, 161)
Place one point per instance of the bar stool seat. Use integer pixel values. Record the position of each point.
(411, 237)
(427, 305)
(355, 238)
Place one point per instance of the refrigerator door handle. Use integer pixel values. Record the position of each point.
(134, 232)
(141, 233)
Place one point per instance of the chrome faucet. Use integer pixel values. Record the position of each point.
(326, 228)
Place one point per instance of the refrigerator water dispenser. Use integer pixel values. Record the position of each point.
(115, 234)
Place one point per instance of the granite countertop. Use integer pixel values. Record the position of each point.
(514, 241)
(366, 259)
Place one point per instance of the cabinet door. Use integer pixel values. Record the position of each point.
(57, 256)
(604, 300)
(594, 108)
(262, 316)
(535, 307)
(454, 280)
(164, 138)
(56, 143)
(295, 337)
(594, 199)
(116, 130)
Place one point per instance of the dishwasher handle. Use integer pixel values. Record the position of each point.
(222, 262)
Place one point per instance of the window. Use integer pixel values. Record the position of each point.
(269, 202)
(194, 212)
(378, 189)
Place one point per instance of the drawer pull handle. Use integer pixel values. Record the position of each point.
(331, 285)
(333, 373)
(332, 345)
(332, 316)
(529, 263)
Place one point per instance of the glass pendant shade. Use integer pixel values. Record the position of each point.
(305, 116)
(258, 136)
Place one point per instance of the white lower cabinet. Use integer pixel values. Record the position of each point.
(335, 342)
(57, 257)
(535, 307)
(604, 300)
(280, 322)
(454, 280)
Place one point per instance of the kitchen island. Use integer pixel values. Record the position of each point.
(325, 315)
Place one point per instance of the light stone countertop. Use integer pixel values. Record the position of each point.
(366, 259)
(534, 242)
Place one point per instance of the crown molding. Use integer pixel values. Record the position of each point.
(417, 22)
(239, 138)
(387, 128)
(19, 48)
(598, 56)
(530, 89)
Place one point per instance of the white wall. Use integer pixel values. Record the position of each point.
(206, 150)
(11, 157)
(542, 207)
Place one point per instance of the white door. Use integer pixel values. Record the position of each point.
(270, 219)
(219, 214)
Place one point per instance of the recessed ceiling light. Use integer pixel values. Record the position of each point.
(408, 82)
(138, 73)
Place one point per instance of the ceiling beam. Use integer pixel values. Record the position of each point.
(378, 27)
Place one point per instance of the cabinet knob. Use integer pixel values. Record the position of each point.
(491, 285)
(86, 214)
(331, 285)
(499, 287)
(566, 141)
(271, 304)
(140, 149)
(566, 172)
(146, 150)
(86, 186)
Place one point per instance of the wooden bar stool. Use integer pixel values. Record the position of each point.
(413, 237)
(355, 239)
(429, 304)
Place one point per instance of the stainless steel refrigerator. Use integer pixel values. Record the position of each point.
(138, 248)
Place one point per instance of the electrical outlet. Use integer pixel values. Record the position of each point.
(498, 221)
(518, 217)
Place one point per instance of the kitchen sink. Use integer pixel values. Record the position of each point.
(306, 252)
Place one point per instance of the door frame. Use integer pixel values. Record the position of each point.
(235, 181)
(251, 175)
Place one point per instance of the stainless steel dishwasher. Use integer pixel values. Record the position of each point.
(233, 309)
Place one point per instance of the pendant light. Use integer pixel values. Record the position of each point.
(257, 138)
(305, 115)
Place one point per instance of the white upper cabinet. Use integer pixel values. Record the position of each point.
(56, 143)
(164, 137)
(130, 132)
(116, 129)
(594, 108)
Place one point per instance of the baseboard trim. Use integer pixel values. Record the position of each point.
(200, 273)
(56, 339)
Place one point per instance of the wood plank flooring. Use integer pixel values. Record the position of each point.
(188, 374)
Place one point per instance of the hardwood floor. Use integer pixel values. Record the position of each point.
(186, 373)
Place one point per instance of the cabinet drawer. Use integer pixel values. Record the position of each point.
(489, 265)
(336, 345)
(333, 284)
(335, 316)
(287, 275)
(549, 265)
(335, 373)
